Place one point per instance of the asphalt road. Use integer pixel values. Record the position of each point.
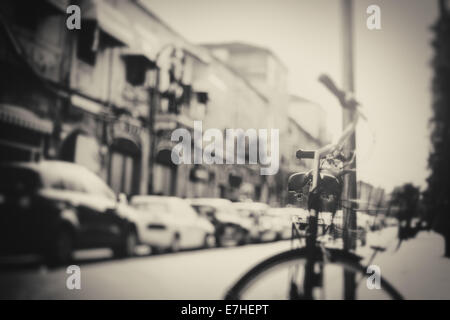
(197, 274)
(417, 270)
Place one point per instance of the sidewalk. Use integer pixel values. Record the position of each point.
(418, 269)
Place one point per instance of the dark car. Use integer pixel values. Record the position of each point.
(230, 228)
(51, 208)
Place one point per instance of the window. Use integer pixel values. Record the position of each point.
(202, 97)
(19, 180)
(205, 211)
(135, 70)
(163, 177)
(183, 209)
(72, 181)
(116, 172)
(122, 173)
(151, 207)
(128, 178)
(88, 38)
(55, 182)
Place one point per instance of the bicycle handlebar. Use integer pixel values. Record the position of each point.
(301, 154)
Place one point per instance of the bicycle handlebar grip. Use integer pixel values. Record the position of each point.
(301, 154)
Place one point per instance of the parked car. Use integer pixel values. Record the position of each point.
(51, 208)
(170, 223)
(282, 222)
(262, 228)
(230, 227)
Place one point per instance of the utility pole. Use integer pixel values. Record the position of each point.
(348, 104)
(153, 105)
(349, 190)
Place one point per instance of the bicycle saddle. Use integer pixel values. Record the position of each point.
(327, 194)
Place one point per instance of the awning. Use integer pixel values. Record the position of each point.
(86, 104)
(24, 118)
(165, 122)
(145, 44)
(206, 83)
(109, 19)
(198, 53)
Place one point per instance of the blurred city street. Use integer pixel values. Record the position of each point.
(199, 274)
(417, 268)
(168, 149)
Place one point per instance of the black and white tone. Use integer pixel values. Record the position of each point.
(224, 150)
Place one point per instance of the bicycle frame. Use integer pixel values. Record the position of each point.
(313, 252)
(310, 276)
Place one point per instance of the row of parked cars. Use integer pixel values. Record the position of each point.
(52, 208)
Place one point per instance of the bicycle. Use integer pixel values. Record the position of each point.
(312, 266)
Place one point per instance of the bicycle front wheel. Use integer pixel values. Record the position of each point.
(282, 277)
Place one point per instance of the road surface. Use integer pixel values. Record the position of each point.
(417, 269)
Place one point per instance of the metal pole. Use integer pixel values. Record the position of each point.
(349, 190)
(154, 103)
(153, 106)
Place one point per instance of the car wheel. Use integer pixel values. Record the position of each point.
(61, 249)
(219, 241)
(210, 241)
(279, 236)
(245, 238)
(175, 244)
(155, 250)
(127, 247)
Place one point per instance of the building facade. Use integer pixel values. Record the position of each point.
(109, 95)
(268, 75)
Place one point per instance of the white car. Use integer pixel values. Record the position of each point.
(282, 220)
(170, 223)
(262, 225)
(231, 228)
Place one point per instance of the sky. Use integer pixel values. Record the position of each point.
(392, 66)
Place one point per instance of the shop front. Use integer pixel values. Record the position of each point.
(125, 158)
(83, 135)
(23, 135)
(164, 173)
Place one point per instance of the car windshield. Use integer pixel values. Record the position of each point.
(246, 213)
(19, 180)
(180, 206)
(228, 209)
(150, 206)
(275, 212)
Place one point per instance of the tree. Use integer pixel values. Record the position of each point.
(405, 200)
(438, 189)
